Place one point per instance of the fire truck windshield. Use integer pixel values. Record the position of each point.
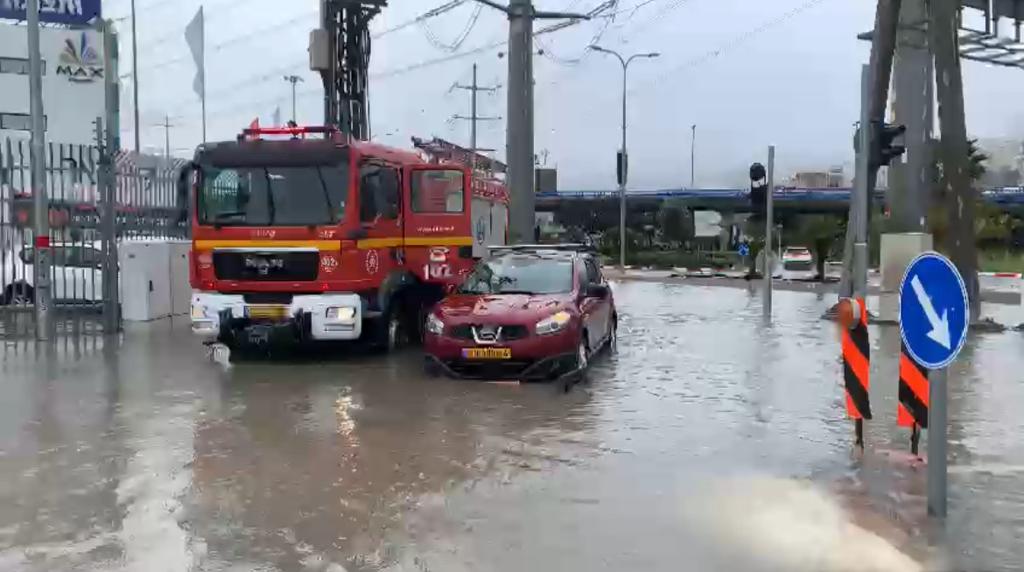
(273, 196)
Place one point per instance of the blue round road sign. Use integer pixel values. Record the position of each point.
(934, 310)
(744, 249)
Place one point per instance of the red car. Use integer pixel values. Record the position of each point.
(529, 313)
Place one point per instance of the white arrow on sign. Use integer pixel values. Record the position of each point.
(940, 326)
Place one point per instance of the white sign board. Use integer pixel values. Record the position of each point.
(73, 83)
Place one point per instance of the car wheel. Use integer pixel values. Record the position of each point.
(19, 294)
(613, 337)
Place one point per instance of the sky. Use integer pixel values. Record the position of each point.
(747, 73)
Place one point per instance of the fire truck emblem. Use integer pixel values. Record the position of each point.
(263, 264)
(372, 262)
(439, 254)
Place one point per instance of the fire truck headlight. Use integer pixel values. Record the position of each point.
(435, 325)
(198, 312)
(341, 313)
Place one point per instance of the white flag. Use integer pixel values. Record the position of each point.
(277, 116)
(195, 37)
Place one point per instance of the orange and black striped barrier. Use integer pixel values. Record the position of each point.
(912, 410)
(853, 316)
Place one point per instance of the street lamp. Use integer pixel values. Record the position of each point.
(623, 160)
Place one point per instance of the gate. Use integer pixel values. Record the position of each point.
(144, 205)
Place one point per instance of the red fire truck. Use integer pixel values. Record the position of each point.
(314, 237)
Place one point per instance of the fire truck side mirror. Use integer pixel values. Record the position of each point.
(184, 179)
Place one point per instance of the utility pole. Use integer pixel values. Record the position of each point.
(474, 117)
(693, 155)
(519, 130)
(167, 135)
(135, 80)
(37, 156)
(294, 80)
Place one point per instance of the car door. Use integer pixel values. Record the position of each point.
(380, 217)
(602, 307)
(589, 308)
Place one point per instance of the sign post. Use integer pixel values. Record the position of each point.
(934, 318)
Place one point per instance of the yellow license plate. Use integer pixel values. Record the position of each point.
(272, 312)
(487, 353)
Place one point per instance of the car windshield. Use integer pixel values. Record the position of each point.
(273, 196)
(520, 275)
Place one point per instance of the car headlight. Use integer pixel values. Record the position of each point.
(435, 325)
(555, 323)
(341, 313)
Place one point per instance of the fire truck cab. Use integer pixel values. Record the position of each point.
(325, 239)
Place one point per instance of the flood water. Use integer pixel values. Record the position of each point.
(710, 441)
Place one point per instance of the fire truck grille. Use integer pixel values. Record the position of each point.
(266, 266)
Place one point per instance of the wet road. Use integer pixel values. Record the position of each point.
(708, 442)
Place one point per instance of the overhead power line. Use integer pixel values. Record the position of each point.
(459, 39)
(447, 7)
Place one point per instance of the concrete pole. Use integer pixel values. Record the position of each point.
(519, 131)
(769, 222)
(913, 91)
(37, 157)
(960, 196)
(135, 80)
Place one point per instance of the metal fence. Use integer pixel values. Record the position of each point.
(144, 205)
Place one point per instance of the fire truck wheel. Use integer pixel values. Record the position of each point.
(390, 329)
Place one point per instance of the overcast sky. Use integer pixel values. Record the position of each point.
(748, 73)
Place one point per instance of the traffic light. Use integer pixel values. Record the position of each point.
(883, 151)
(758, 190)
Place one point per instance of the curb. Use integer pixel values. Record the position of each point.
(1016, 275)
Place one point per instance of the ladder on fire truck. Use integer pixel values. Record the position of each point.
(340, 51)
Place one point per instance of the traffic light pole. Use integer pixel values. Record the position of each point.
(860, 201)
(769, 222)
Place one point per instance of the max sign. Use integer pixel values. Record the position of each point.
(70, 12)
(79, 61)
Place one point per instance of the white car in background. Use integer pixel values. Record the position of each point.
(797, 263)
(77, 274)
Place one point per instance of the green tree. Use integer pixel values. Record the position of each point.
(676, 222)
(819, 232)
(938, 217)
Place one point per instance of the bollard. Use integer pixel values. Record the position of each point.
(912, 409)
(853, 317)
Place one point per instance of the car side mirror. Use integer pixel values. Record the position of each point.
(596, 291)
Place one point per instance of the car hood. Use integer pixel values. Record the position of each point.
(503, 308)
